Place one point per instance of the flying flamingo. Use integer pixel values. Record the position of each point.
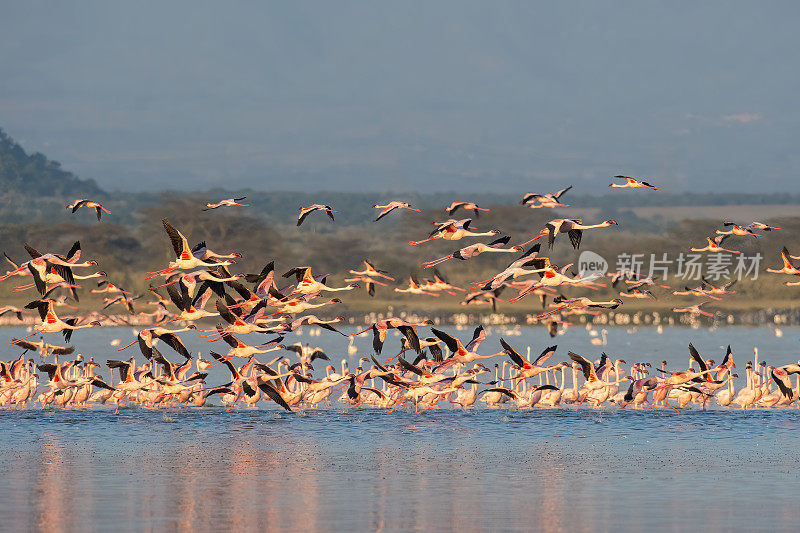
(592, 381)
(517, 268)
(309, 285)
(722, 289)
(693, 309)
(439, 283)
(44, 349)
(736, 229)
(552, 277)
(641, 294)
(788, 267)
(305, 211)
(190, 311)
(230, 202)
(545, 200)
(16, 271)
(526, 369)
(83, 202)
(369, 283)
(715, 245)
(201, 251)
(415, 288)
(147, 338)
(298, 305)
(460, 353)
(185, 259)
(370, 270)
(578, 303)
(761, 226)
(699, 291)
(631, 182)
(11, 309)
(455, 206)
(391, 206)
(573, 227)
(51, 323)
(407, 329)
(475, 250)
(453, 230)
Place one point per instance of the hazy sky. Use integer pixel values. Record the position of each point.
(442, 95)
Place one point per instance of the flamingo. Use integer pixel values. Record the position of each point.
(185, 259)
(455, 206)
(369, 283)
(52, 324)
(147, 338)
(309, 285)
(407, 329)
(788, 267)
(475, 250)
(312, 320)
(415, 288)
(305, 211)
(781, 377)
(460, 353)
(6, 309)
(190, 311)
(526, 369)
(693, 309)
(715, 245)
(639, 293)
(453, 230)
(736, 229)
(632, 182)
(761, 226)
(551, 277)
(578, 303)
(83, 202)
(17, 269)
(748, 395)
(573, 227)
(545, 200)
(722, 289)
(43, 348)
(592, 381)
(391, 206)
(230, 202)
(439, 283)
(517, 268)
(370, 270)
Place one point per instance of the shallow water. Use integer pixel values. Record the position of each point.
(362, 469)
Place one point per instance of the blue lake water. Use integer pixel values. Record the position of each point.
(364, 469)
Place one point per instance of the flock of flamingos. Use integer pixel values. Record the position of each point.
(427, 371)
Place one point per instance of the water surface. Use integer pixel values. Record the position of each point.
(363, 469)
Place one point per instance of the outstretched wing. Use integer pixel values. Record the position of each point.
(452, 343)
(586, 366)
(179, 242)
(478, 336)
(513, 354)
(696, 356)
(545, 355)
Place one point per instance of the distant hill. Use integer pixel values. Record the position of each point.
(35, 176)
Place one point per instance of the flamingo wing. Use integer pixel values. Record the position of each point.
(545, 355)
(513, 354)
(179, 242)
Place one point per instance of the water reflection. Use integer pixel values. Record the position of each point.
(360, 470)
